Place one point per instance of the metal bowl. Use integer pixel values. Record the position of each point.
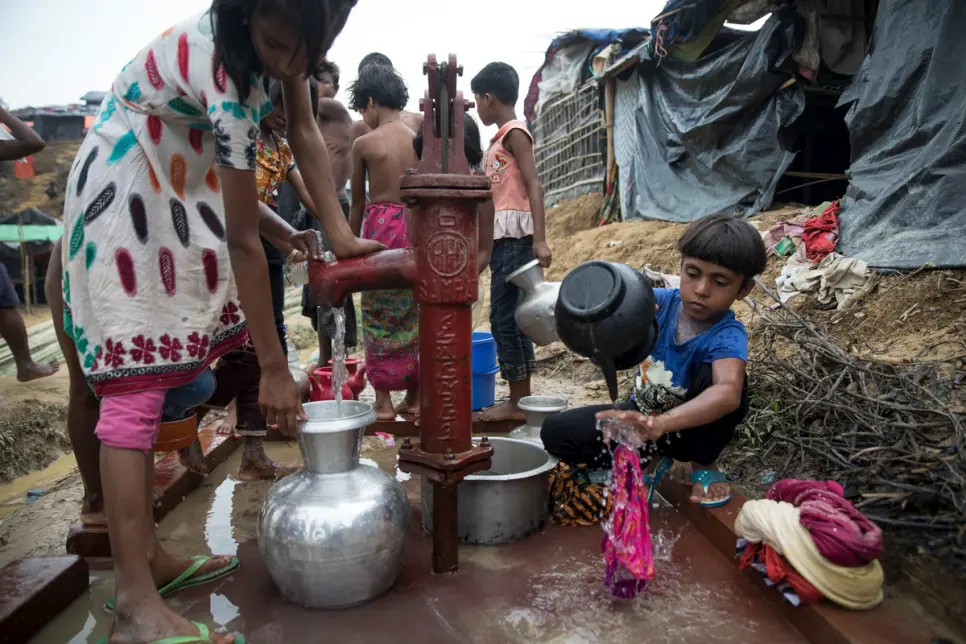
(506, 503)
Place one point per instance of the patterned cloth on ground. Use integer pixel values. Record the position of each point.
(575, 500)
(627, 537)
(778, 573)
(390, 319)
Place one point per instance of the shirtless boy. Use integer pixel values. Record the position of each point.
(413, 120)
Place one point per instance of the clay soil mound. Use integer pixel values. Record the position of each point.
(32, 435)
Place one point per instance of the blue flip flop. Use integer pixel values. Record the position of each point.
(652, 480)
(707, 478)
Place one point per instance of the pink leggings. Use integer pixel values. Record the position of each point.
(131, 421)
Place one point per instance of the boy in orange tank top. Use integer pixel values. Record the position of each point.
(519, 230)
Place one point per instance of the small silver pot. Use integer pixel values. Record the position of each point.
(537, 409)
(535, 315)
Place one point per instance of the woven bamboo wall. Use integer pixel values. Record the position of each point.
(570, 145)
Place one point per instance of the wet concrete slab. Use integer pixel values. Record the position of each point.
(34, 590)
(547, 588)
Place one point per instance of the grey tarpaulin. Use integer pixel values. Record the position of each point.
(906, 201)
(697, 138)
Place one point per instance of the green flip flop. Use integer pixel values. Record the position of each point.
(203, 637)
(187, 579)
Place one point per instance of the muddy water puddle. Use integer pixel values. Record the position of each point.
(547, 588)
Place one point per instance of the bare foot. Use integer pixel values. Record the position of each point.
(34, 371)
(716, 491)
(506, 410)
(165, 568)
(264, 469)
(383, 406)
(149, 620)
(226, 427)
(193, 459)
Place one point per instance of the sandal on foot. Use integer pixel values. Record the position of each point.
(188, 579)
(652, 480)
(203, 637)
(707, 478)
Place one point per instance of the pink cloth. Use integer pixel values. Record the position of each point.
(627, 537)
(842, 534)
(131, 421)
(390, 319)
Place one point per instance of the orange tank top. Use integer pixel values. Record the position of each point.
(510, 201)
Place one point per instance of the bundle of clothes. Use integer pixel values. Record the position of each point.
(811, 544)
(813, 266)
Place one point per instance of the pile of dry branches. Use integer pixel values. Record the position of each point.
(887, 432)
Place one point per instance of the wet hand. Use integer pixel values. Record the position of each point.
(541, 250)
(306, 244)
(279, 401)
(356, 247)
(644, 428)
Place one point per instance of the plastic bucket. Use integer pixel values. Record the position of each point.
(484, 388)
(483, 358)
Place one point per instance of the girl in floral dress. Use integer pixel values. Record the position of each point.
(161, 224)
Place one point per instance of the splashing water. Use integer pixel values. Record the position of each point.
(340, 375)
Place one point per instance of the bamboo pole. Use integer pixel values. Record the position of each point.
(610, 92)
(25, 262)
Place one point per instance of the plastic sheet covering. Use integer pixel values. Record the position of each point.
(562, 73)
(906, 201)
(695, 139)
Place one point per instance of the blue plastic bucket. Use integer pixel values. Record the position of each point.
(484, 388)
(483, 358)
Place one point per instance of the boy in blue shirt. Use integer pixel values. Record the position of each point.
(704, 347)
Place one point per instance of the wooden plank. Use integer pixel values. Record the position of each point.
(34, 590)
(172, 482)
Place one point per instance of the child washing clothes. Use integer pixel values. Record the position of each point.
(689, 414)
(519, 229)
(390, 319)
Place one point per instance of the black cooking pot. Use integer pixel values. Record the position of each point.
(605, 311)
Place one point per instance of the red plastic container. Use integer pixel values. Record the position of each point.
(322, 386)
(357, 375)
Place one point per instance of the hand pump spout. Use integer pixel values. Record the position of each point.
(331, 282)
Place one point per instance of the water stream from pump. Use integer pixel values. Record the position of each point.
(340, 375)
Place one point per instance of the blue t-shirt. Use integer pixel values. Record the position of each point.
(726, 339)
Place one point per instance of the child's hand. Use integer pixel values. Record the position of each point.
(542, 252)
(306, 244)
(644, 428)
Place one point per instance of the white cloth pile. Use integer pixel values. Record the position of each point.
(836, 278)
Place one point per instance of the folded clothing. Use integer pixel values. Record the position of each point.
(778, 524)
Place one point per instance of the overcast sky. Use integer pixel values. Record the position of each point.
(54, 51)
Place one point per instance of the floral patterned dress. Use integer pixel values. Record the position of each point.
(148, 287)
